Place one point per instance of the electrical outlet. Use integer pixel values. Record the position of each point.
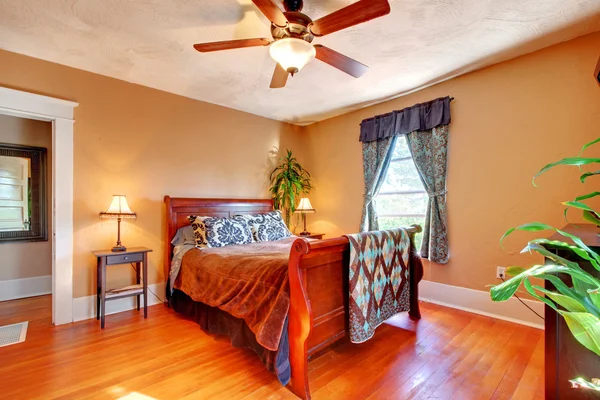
(501, 272)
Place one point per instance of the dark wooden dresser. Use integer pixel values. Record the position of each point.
(565, 357)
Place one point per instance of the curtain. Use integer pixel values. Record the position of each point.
(376, 160)
(419, 117)
(429, 150)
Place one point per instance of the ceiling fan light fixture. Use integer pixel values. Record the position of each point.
(292, 54)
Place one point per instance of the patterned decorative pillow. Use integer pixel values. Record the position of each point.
(268, 226)
(199, 230)
(219, 231)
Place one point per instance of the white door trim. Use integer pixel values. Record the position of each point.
(60, 113)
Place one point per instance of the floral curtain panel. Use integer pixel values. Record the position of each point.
(429, 150)
(376, 160)
(426, 127)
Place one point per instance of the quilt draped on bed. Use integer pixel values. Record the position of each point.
(248, 281)
(379, 280)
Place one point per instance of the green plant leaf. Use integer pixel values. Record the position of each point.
(585, 327)
(590, 217)
(580, 286)
(529, 287)
(585, 146)
(580, 252)
(559, 285)
(594, 295)
(507, 289)
(533, 246)
(538, 226)
(577, 204)
(575, 161)
(581, 245)
(587, 196)
(514, 271)
(568, 303)
(583, 177)
(530, 227)
(588, 212)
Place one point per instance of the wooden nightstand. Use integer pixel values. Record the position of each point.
(133, 255)
(313, 236)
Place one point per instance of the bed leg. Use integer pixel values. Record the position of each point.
(300, 384)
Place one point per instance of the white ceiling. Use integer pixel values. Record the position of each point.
(420, 43)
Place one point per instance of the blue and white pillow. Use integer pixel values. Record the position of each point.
(268, 226)
(219, 231)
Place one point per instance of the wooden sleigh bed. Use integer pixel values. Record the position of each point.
(318, 281)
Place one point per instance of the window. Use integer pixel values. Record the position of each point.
(402, 200)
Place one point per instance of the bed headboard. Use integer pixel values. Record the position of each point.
(179, 208)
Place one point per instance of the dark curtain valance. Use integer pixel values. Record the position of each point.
(419, 117)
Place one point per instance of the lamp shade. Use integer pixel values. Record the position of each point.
(292, 54)
(304, 207)
(118, 209)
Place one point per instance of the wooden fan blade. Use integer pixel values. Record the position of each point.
(354, 14)
(271, 11)
(340, 61)
(280, 77)
(231, 44)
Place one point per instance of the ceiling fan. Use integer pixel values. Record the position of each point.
(294, 31)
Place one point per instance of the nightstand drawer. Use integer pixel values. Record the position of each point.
(124, 258)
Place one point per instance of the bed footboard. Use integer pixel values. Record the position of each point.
(318, 274)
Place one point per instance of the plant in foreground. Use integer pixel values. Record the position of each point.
(578, 304)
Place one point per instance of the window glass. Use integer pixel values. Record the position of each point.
(402, 200)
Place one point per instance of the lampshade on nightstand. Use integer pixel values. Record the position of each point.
(118, 209)
(304, 207)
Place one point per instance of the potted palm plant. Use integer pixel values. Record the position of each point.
(578, 304)
(288, 181)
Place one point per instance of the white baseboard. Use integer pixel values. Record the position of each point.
(85, 307)
(26, 287)
(475, 301)
(479, 302)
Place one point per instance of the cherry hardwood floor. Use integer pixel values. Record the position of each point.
(449, 354)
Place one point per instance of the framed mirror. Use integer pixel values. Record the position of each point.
(23, 214)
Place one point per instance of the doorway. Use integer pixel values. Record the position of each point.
(25, 196)
(59, 113)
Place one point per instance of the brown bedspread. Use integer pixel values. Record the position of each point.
(248, 281)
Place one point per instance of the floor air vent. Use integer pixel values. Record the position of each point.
(12, 334)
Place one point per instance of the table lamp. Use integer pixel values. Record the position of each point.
(118, 209)
(304, 207)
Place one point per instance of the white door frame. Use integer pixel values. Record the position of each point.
(60, 113)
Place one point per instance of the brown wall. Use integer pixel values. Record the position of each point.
(145, 143)
(27, 260)
(508, 121)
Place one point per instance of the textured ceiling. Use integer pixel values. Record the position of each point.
(420, 43)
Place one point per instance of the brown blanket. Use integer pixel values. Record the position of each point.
(248, 281)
